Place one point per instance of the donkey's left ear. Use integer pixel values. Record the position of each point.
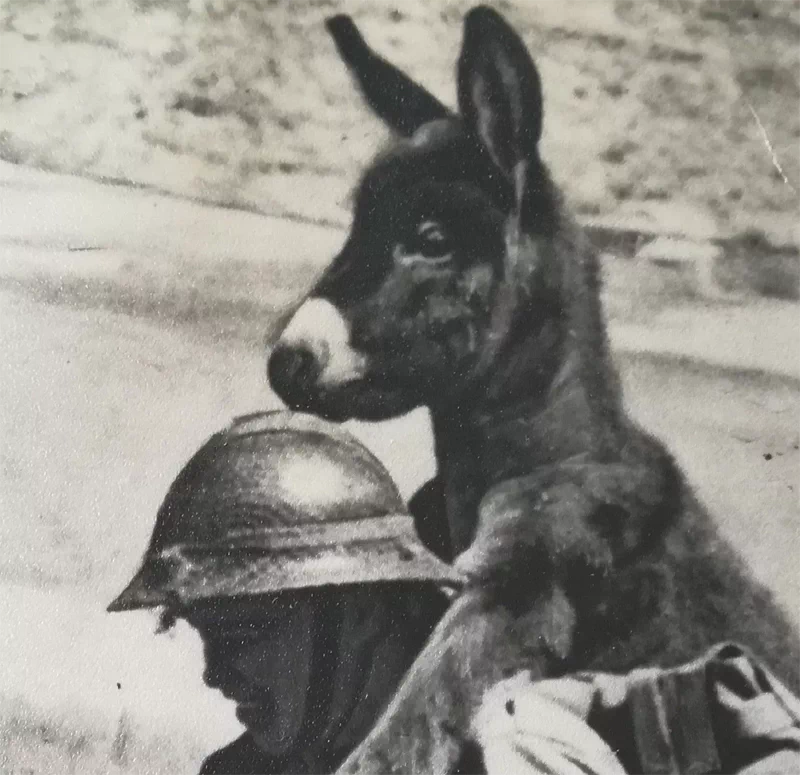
(403, 104)
(499, 91)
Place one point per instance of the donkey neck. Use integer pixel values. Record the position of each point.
(522, 431)
(553, 396)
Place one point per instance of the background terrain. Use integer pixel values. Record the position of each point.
(244, 101)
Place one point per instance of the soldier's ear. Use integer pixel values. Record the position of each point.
(499, 91)
(403, 104)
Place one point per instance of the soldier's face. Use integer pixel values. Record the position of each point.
(298, 664)
(258, 653)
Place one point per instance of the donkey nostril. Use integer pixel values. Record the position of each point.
(292, 368)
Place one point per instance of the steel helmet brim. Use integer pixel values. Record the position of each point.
(379, 549)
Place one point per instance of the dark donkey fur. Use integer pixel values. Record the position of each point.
(468, 289)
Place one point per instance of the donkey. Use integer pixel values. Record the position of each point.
(464, 286)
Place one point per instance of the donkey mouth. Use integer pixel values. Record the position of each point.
(294, 375)
(292, 369)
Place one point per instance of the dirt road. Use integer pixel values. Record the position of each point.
(118, 362)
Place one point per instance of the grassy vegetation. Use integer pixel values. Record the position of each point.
(33, 742)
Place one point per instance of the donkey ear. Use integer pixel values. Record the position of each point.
(499, 90)
(402, 104)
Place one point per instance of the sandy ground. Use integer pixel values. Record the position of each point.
(120, 360)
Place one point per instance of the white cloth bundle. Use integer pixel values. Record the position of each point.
(540, 728)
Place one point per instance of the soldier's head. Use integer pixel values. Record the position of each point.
(287, 546)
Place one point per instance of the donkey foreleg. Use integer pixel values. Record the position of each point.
(537, 539)
(476, 644)
(566, 521)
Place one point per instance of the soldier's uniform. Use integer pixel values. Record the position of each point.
(723, 713)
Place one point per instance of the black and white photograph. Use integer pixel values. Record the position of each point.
(399, 388)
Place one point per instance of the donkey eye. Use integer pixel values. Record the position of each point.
(432, 240)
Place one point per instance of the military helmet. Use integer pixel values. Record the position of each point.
(279, 501)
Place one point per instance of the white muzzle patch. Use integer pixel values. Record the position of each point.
(319, 327)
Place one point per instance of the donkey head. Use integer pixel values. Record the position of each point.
(447, 259)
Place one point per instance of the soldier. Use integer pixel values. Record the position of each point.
(288, 547)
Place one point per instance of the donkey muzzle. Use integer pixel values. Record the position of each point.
(314, 352)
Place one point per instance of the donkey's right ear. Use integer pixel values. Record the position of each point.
(393, 96)
(499, 90)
